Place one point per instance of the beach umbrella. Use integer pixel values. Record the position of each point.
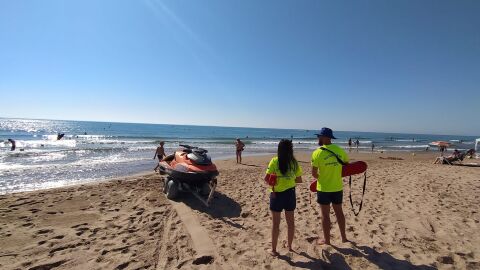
(441, 143)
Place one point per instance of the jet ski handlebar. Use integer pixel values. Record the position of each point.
(187, 146)
(194, 149)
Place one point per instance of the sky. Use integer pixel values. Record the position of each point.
(388, 66)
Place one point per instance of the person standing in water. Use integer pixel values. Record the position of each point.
(349, 144)
(287, 172)
(357, 143)
(14, 144)
(328, 171)
(240, 146)
(160, 154)
(373, 146)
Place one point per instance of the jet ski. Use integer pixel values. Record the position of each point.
(189, 169)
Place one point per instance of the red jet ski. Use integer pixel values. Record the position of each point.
(189, 169)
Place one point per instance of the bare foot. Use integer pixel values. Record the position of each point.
(323, 242)
(285, 245)
(274, 253)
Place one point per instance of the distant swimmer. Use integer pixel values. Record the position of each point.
(85, 133)
(60, 136)
(14, 145)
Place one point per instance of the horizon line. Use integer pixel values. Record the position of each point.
(197, 125)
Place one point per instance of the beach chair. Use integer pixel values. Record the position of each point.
(450, 160)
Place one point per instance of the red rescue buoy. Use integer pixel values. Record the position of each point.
(349, 169)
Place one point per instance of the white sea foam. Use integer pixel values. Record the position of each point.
(88, 136)
(9, 167)
(105, 160)
(408, 146)
(52, 156)
(46, 143)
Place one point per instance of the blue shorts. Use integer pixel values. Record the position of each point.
(327, 198)
(285, 200)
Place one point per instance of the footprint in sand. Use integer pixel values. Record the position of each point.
(48, 265)
(445, 259)
(78, 225)
(245, 214)
(44, 231)
(81, 231)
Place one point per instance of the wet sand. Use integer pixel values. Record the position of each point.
(416, 215)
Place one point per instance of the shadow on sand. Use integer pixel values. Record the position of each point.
(336, 261)
(466, 164)
(221, 207)
(251, 165)
(329, 260)
(382, 259)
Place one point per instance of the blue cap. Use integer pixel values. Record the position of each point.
(326, 132)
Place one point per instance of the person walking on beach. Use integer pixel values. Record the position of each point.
(328, 171)
(160, 154)
(357, 143)
(14, 144)
(349, 144)
(373, 146)
(240, 146)
(286, 172)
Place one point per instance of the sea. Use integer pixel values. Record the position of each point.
(95, 151)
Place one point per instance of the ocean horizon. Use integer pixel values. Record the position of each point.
(92, 151)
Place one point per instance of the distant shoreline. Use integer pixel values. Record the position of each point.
(134, 175)
(93, 150)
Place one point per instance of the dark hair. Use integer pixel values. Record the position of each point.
(286, 160)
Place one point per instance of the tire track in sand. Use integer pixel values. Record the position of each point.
(202, 243)
(162, 261)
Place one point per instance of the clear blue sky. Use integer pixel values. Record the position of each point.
(399, 66)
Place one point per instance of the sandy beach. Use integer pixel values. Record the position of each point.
(416, 215)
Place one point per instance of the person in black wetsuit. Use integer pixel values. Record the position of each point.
(14, 145)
